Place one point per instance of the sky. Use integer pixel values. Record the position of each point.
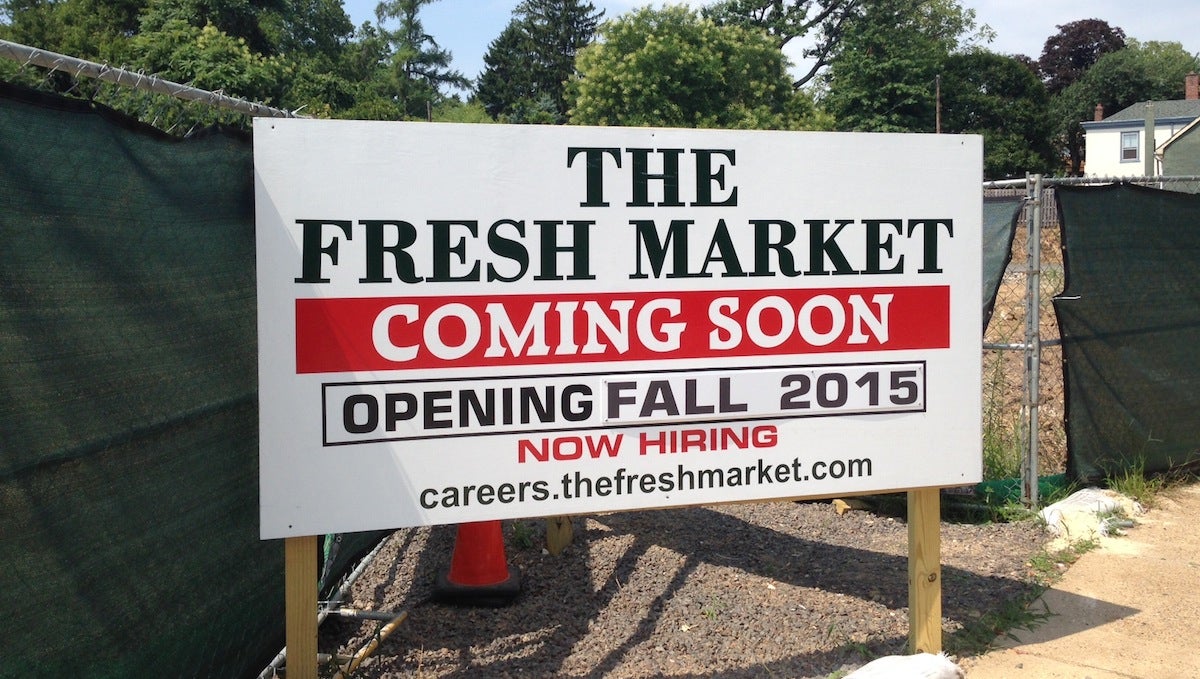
(465, 27)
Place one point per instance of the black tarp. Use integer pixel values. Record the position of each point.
(128, 406)
(999, 227)
(1130, 323)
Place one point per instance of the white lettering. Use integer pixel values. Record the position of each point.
(503, 331)
(787, 322)
(838, 320)
(433, 331)
(672, 331)
(862, 314)
(382, 336)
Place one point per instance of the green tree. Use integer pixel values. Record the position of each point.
(1068, 54)
(786, 21)
(670, 67)
(420, 68)
(1000, 98)
(457, 111)
(281, 52)
(91, 29)
(506, 77)
(359, 86)
(1140, 72)
(528, 65)
(286, 53)
(293, 54)
(882, 74)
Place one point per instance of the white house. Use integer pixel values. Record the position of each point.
(1115, 146)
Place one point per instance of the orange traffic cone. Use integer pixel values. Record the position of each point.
(479, 574)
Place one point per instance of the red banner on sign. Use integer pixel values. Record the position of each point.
(399, 333)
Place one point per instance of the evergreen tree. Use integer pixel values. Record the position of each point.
(506, 77)
(527, 66)
(420, 68)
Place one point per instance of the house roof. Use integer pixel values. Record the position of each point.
(1177, 108)
(1172, 112)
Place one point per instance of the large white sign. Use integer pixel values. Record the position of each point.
(469, 322)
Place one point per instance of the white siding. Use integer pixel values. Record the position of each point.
(1102, 150)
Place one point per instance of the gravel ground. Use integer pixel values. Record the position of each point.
(783, 589)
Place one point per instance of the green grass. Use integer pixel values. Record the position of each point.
(1045, 568)
(978, 636)
(1001, 439)
(522, 534)
(1001, 451)
(713, 609)
(1133, 482)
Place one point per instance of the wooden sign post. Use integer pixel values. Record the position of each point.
(924, 571)
(300, 600)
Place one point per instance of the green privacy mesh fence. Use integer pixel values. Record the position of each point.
(128, 413)
(1130, 321)
(999, 228)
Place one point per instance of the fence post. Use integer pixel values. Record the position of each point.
(1033, 339)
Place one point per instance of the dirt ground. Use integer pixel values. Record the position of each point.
(786, 590)
(750, 590)
(1126, 609)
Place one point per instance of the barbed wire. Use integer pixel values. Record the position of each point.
(77, 67)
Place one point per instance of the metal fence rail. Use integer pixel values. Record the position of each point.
(139, 81)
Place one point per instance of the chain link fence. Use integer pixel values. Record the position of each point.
(1006, 398)
(175, 108)
(1019, 394)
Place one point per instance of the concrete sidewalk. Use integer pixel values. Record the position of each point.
(1130, 608)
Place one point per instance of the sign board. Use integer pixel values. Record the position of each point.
(472, 322)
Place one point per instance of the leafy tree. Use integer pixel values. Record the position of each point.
(528, 65)
(359, 85)
(204, 57)
(671, 67)
(457, 111)
(1028, 62)
(91, 29)
(786, 21)
(420, 69)
(1140, 72)
(281, 52)
(235, 18)
(285, 53)
(293, 54)
(882, 73)
(314, 28)
(1072, 51)
(299, 28)
(1000, 98)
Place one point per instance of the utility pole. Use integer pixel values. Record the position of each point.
(937, 103)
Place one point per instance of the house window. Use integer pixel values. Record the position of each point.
(1129, 146)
